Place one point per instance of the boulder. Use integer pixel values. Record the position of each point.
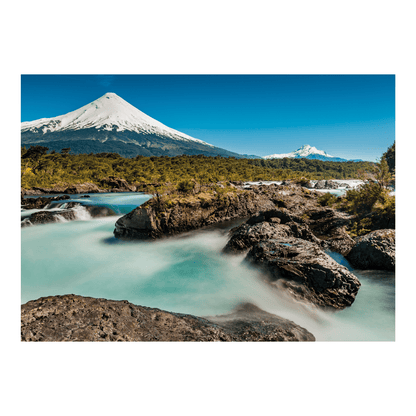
(153, 219)
(376, 250)
(276, 214)
(45, 217)
(250, 323)
(320, 185)
(78, 318)
(330, 226)
(117, 184)
(25, 223)
(266, 226)
(83, 188)
(99, 212)
(246, 235)
(30, 192)
(324, 184)
(306, 271)
(41, 202)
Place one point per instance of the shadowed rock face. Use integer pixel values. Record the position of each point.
(148, 222)
(40, 202)
(118, 184)
(376, 250)
(45, 217)
(77, 318)
(308, 273)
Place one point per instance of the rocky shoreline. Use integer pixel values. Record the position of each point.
(286, 235)
(78, 318)
(150, 221)
(110, 184)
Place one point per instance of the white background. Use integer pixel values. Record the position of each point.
(215, 37)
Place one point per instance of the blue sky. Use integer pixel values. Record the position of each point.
(350, 116)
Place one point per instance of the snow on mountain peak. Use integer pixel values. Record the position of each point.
(108, 112)
(303, 151)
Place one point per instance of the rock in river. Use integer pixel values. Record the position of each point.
(45, 217)
(78, 318)
(375, 250)
(150, 221)
(265, 226)
(306, 271)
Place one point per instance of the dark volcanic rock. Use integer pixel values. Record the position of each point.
(330, 225)
(308, 272)
(44, 217)
(246, 235)
(83, 188)
(41, 202)
(25, 223)
(249, 323)
(30, 192)
(77, 318)
(202, 209)
(147, 221)
(266, 226)
(118, 184)
(37, 190)
(324, 184)
(376, 250)
(282, 215)
(99, 212)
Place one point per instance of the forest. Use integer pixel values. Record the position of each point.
(44, 168)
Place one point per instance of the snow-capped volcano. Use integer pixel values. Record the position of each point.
(111, 124)
(108, 112)
(304, 151)
(307, 152)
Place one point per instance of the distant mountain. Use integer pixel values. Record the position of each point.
(111, 124)
(310, 152)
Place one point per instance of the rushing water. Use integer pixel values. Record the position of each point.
(120, 203)
(187, 274)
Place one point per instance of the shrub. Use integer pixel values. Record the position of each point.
(327, 199)
(361, 227)
(301, 181)
(185, 186)
(386, 206)
(363, 199)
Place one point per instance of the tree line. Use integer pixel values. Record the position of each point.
(39, 167)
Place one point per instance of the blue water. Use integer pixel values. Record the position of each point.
(119, 202)
(187, 274)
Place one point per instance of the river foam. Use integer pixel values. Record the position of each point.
(187, 274)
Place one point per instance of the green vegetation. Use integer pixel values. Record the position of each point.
(390, 157)
(372, 203)
(185, 186)
(43, 169)
(316, 169)
(183, 179)
(327, 199)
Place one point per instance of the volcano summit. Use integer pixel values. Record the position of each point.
(111, 124)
